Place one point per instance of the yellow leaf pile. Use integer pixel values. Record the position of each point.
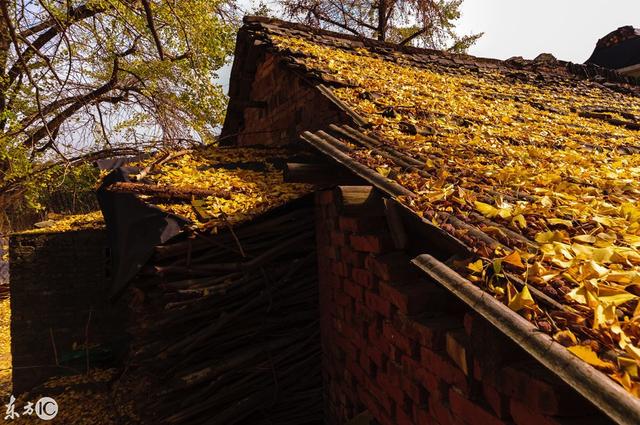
(85, 399)
(5, 346)
(515, 154)
(254, 191)
(67, 223)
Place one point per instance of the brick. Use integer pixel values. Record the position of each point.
(471, 412)
(353, 290)
(362, 224)
(394, 371)
(381, 397)
(334, 281)
(325, 197)
(351, 257)
(369, 402)
(385, 419)
(356, 371)
(444, 369)
(498, 402)
(522, 415)
(390, 385)
(365, 278)
(378, 304)
(340, 269)
(338, 238)
(365, 362)
(342, 299)
(393, 267)
(375, 244)
(421, 416)
(432, 330)
(490, 363)
(399, 340)
(348, 224)
(414, 298)
(457, 348)
(374, 330)
(362, 312)
(412, 390)
(404, 418)
(346, 346)
(377, 356)
(440, 411)
(328, 251)
(409, 365)
(531, 383)
(421, 376)
(349, 315)
(354, 336)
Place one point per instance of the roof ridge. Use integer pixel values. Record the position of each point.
(610, 78)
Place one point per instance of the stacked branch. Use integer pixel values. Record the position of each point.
(228, 329)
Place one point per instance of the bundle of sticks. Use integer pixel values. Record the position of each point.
(228, 330)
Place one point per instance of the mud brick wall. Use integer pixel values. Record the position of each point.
(59, 285)
(292, 106)
(401, 350)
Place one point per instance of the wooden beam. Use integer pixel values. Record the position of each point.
(360, 201)
(324, 175)
(167, 193)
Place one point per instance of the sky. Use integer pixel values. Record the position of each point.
(568, 29)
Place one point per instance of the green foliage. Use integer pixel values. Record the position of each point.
(137, 74)
(65, 190)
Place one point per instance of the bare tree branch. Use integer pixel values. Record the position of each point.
(152, 27)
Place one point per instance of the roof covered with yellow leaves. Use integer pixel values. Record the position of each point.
(66, 223)
(215, 187)
(542, 156)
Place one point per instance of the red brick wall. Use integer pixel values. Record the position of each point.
(401, 347)
(293, 106)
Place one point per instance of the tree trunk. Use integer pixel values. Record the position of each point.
(382, 20)
(4, 57)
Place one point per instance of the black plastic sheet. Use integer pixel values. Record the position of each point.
(134, 228)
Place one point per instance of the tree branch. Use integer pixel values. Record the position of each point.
(55, 123)
(414, 36)
(152, 27)
(77, 14)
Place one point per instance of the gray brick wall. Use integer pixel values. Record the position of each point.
(58, 282)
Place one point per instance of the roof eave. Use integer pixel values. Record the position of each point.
(592, 384)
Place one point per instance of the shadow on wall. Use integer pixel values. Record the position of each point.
(62, 319)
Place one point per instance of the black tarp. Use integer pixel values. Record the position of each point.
(134, 228)
(617, 56)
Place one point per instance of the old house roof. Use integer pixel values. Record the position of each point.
(68, 223)
(532, 165)
(207, 187)
(146, 203)
(214, 186)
